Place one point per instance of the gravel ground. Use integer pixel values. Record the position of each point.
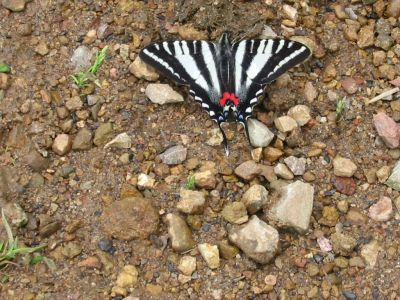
(128, 185)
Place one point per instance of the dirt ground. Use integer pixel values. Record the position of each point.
(62, 198)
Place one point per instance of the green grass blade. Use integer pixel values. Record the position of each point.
(100, 57)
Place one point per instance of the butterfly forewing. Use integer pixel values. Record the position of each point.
(192, 63)
(259, 62)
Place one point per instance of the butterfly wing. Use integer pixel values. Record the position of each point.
(259, 62)
(192, 63)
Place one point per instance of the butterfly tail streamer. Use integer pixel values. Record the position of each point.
(225, 140)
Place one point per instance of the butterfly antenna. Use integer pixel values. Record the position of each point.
(225, 141)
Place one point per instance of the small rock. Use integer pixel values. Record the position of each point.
(15, 214)
(344, 185)
(162, 93)
(4, 81)
(387, 129)
(256, 154)
(235, 213)
(343, 167)
(290, 12)
(329, 72)
(285, 124)
(227, 250)
(296, 165)
(91, 262)
(343, 244)
(300, 113)
(121, 141)
(188, 32)
(83, 140)
(191, 202)
(128, 278)
(15, 5)
(383, 174)
(49, 229)
(339, 11)
(272, 154)
(283, 171)
(42, 49)
(130, 218)
(378, 58)
(366, 36)
(382, 210)
(62, 144)
(294, 207)
(256, 239)
(330, 216)
(36, 161)
(142, 70)
(90, 37)
(384, 41)
(260, 135)
(187, 265)
(81, 58)
(179, 233)
(268, 173)
(205, 179)
(102, 134)
(310, 93)
(216, 137)
(393, 9)
(37, 180)
(71, 249)
(370, 253)
(394, 179)
(255, 198)
(349, 85)
(210, 254)
(356, 217)
(145, 181)
(174, 155)
(248, 170)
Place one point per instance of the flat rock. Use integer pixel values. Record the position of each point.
(300, 113)
(191, 202)
(285, 123)
(387, 129)
(343, 167)
(62, 144)
(36, 161)
(215, 137)
(344, 185)
(294, 207)
(15, 5)
(282, 171)
(248, 170)
(370, 253)
(394, 178)
(174, 155)
(102, 134)
(210, 254)
(227, 250)
(235, 212)
(82, 140)
(142, 70)
(255, 198)
(296, 165)
(74, 103)
(382, 210)
(187, 265)
(128, 278)
(121, 141)
(256, 239)
(179, 233)
(260, 135)
(160, 93)
(205, 179)
(130, 218)
(80, 59)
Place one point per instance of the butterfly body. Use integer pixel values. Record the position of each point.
(222, 76)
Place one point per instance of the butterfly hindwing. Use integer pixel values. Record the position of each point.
(191, 63)
(259, 62)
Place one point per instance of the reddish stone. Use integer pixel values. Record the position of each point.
(344, 185)
(387, 129)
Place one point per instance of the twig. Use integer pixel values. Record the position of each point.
(383, 95)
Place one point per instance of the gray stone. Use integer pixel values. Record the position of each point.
(83, 140)
(15, 214)
(121, 141)
(248, 170)
(174, 155)
(260, 135)
(74, 103)
(256, 239)
(394, 178)
(36, 161)
(81, 58)
(255, 198)
(191, 202)
(294, 207)
(296, 165)
(343, 244)
(15, 5)
(162, 93)
(282, 171)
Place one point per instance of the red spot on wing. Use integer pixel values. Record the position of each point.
(229, 96)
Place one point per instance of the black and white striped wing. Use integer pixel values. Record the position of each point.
(259, 62)
(191, 63)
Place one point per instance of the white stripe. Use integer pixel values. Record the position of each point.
(198, 98)
(281, 43)
(254, 100)
(290, 44)
(259, 92)
(249, 110)
(205, 105)
(161, 62)
(166, 48)
(157, 46)
(211, 113)
(287, 59)
(252, 45)
(238, 65)
(212, 68)
(260, 60)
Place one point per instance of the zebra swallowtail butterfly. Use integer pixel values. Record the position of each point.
(222, 76)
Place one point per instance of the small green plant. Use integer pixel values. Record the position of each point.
(340, 106)
(4, 68)
(83, 78)
(191, 182)
(9, 249)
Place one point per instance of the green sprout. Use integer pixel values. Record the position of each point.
(191, 182)
(9, 249)
(4, 68)
(340, 106)
(83, 78)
